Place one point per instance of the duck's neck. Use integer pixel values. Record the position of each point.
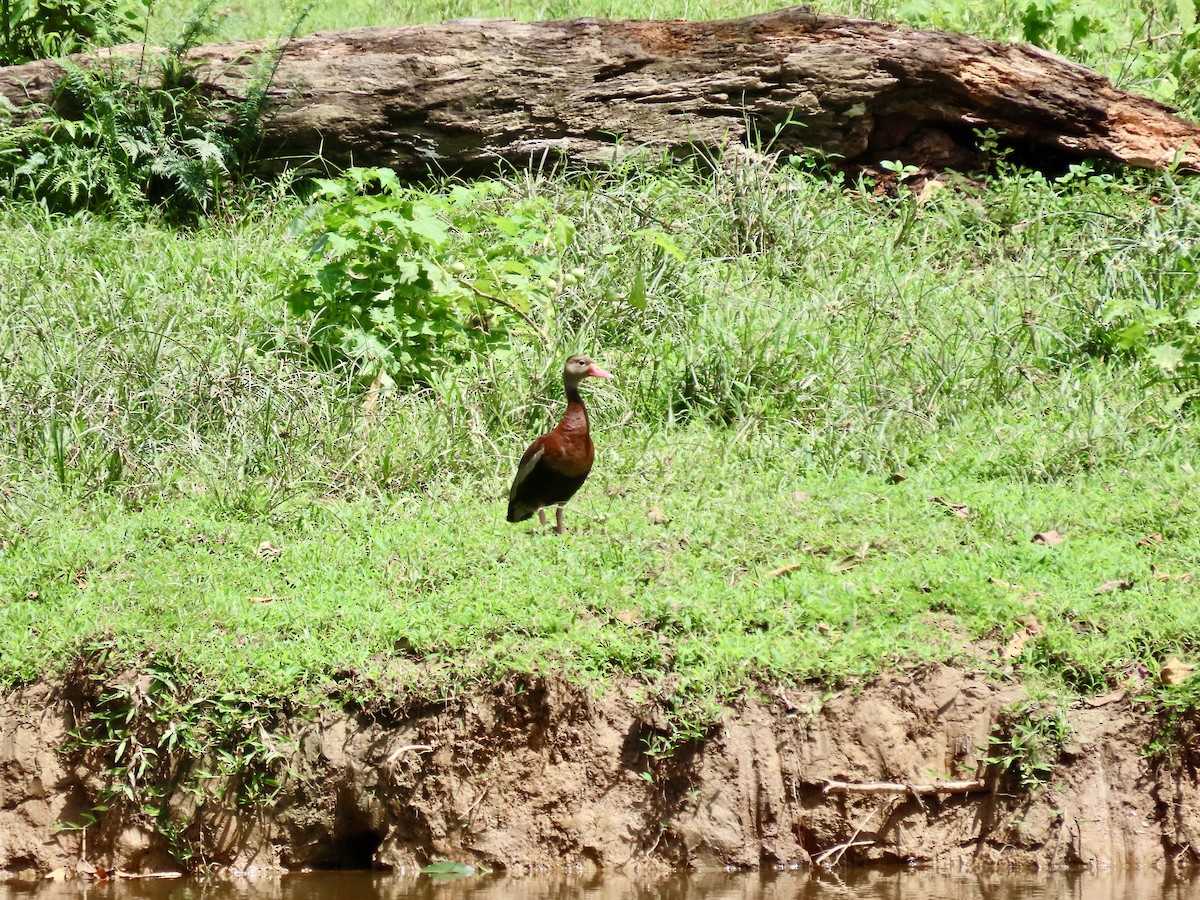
(576, 414)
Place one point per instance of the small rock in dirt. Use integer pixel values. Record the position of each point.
(1105, 699)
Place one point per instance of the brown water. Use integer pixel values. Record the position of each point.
(872, 885)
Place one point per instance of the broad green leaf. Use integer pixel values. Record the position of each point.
(333, 188)
(389, 180)
(1187, 15)
(330, 278)
(637, 293)
(407, 271)
(339, 244)
(319, 244)
(1167, 356)
(1132, 335)
(664, 243)
(433, 230)
(562, 232)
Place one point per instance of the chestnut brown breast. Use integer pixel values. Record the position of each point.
(554, 466)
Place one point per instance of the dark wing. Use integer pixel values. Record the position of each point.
(528, 463)
(517, 510)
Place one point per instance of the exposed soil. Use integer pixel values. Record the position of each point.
(551, 776)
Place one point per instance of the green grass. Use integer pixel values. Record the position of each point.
(808, 367)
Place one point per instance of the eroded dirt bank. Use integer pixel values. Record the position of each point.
(549, 775)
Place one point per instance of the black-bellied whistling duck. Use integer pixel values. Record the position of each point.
(556, 464)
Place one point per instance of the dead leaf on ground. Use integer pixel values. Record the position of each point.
(1047, 538)
(628, 616)
(267, 550)
(1030, 630)
(824, 627)
(896, 478)
(959, 509)
(372, 401)
(1121, 584)
(801, 496)
(1175, 671)
(927, 190)
(848, 562)
(656, 516)
(1151, 539)
(143, 685)
(1166, 576)
(266, 599)
(784, 570)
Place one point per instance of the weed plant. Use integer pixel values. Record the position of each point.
(41, 29)
(130, 135)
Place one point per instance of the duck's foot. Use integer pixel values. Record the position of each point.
(558, 520)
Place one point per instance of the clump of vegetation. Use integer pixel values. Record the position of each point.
(1027, 741)
(41, 29)
(412, 281)
(1175, 702)
(1150, 270)
(168, 753)
(126, 134)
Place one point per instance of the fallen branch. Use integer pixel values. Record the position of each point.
(973, 786)
(838, 850)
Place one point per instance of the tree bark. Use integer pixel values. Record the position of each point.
(467, 95)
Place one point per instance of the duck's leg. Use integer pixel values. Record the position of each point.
(558, 520)
(542, 517)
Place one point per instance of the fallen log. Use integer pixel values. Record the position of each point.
(466, 95)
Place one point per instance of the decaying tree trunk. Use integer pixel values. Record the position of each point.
(465, 95)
